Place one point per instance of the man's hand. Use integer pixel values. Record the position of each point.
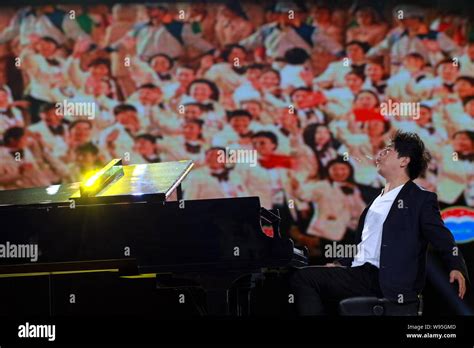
(457, 276)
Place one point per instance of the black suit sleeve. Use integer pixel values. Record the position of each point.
(435, 231)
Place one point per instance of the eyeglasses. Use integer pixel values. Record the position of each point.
(385, 151)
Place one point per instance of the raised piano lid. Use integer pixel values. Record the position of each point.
(140, 182)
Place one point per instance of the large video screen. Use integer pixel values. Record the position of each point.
(290, 101)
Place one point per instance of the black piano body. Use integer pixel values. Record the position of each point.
(211, 242)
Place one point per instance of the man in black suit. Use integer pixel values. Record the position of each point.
(393, 235)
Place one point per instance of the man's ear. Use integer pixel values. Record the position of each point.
(404, 161)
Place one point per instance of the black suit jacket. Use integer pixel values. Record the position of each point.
(412, 223)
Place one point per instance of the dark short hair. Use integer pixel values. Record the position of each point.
(296, 56)
(305, 89)
(46, 107)
(198, 122)
(467, 100)
(238, 113)
(212, 86)
(228, 49)
(469, 133)
(415, 55)
(146, 136)
(99, 61)
(124, 107)
(363, 45)
(255, 66)
(148, 86)
(215, 148)
(74, 123)
(341, 160)
(51, 40)
(447, 61)
(202, 107)
(371, 92)
(168, 58)
(266, 134)
(410, 145)
(357, 73)
(468, 79)
(88, 148)
(13, 133)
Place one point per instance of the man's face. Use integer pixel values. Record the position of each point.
(469, 108)
(53, 117)
(254, 108)
(236, 52)
(269, 80)
(253, 75)
(299, 97)
(99, 71)
(448, 72)
(185, 76)
(81, 132)
(240, 124)
(191, 131)
(388, 163)
(375, 128)
(463, 144)
(374, 72)
(144, 147)
(339, 172)
(353, 82)
(212, 159)
(192, 112)
(160, 64)
(355, 52)
(97, 87)
(287, 119)
(86, 160)
(201, 92)
(128, 119)
(463, 88)
(150, 96)
(425, 117)
(365, 101)
(46, 48)
(413, 64)
(263, 145)
(3, 97)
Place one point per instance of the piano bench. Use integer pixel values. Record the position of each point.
(368, 306)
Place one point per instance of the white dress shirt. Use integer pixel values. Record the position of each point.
(368, 250)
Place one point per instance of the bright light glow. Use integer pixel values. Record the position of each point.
(90, 182)
(53, 189)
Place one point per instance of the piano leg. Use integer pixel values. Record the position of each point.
(217, 302)
(217, 288)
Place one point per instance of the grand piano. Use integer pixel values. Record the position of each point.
(131, 222)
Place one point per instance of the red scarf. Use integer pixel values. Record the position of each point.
(276, 161)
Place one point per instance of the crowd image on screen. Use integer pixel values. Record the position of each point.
(305, 86)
